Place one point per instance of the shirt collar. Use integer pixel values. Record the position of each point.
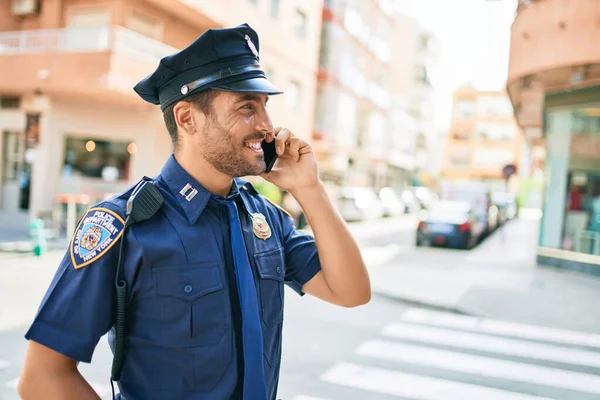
(191, 195)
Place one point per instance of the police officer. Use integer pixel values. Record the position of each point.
(207, 271)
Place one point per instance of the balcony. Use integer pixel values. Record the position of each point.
(105, 62)
(553, 48)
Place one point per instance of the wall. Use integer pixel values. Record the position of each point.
(554, 33)
(95, 121)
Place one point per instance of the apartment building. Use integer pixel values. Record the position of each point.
(72, 128)
(554, 86)
(483, 137)
(414, 60)
(374, 111)
(353, 98)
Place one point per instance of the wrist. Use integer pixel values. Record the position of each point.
(308, 192)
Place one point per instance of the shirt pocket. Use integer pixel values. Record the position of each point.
(271, 269)
(193, 301)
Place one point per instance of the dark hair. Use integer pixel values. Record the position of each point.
(202, 100)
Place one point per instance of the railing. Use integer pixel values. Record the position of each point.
(115, 38)
(139, 46)
(54, 40)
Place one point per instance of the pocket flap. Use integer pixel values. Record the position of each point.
(271, 264)
(187, 282)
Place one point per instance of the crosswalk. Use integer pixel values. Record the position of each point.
(431, 355)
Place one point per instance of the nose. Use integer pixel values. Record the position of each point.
(263, 121)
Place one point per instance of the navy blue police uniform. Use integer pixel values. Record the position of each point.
(185, 317)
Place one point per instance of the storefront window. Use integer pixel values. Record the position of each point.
(99, 159)
(581, 229)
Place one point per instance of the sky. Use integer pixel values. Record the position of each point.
(474, 37)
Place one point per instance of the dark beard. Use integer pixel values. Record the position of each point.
(227, 157)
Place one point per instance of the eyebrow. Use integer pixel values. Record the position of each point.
(251, 97)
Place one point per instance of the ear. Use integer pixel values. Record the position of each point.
(186, 118)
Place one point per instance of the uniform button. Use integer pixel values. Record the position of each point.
(187, 288)
(278, 270)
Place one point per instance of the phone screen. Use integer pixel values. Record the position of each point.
(270, 154)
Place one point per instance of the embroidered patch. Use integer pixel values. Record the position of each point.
(97, 232)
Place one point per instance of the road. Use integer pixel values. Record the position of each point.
(385, 350)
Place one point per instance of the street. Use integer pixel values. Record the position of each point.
(388, 349)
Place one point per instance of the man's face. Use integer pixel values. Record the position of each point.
(231, 137)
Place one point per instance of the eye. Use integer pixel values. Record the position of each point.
(248, 106)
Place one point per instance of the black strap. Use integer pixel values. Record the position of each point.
(143, 203)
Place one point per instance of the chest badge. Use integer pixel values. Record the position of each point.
(260, 226)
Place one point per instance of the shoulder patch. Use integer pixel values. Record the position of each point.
(96, 233)
(279, 207)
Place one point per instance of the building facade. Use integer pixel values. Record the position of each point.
(74, 131)
(482, 139)
(554, 86)
(353, 99)
(374, 110)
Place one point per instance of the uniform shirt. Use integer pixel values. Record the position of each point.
(183, 323)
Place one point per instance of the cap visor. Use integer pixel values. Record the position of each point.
(252, 85)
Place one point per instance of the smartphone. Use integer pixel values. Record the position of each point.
(270, 154)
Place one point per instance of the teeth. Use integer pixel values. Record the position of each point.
(253, 145)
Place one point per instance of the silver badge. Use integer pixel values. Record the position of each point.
(251, 45)
(260, 226)
(184, 89)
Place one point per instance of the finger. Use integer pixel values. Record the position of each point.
(294, 148)
(281, 140)
(272, 135)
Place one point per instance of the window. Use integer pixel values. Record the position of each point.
(275, 8)
(460, 157)
(10, 102)
(144, 24)
(97, 158)
(464, 109)
(294, 94)
(460, 135)
(300, 23)
(496, 131)
(84, 17)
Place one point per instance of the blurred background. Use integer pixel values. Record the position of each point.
(459, 139)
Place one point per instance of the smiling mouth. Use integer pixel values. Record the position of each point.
(255, 146)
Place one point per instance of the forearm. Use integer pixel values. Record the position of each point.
(64, 385)
(341, 261)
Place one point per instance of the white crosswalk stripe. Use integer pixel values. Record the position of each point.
(474, 324)
(414, 386)
(482, 366)
(511, 361)
(476, 341)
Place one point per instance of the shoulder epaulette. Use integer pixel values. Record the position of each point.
(279, 207)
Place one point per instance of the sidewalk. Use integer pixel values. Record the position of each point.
(499, 279)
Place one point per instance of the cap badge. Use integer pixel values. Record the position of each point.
(185, 89)
(251, 45)
(260, 226)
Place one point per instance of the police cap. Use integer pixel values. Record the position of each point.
(223, 59)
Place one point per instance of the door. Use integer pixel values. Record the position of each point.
(14, 186)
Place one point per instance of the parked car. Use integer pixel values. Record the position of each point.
(478, 195)
(451, 223)
(392, 203)
(359, 204)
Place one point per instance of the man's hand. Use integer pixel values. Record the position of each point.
(296, 166)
